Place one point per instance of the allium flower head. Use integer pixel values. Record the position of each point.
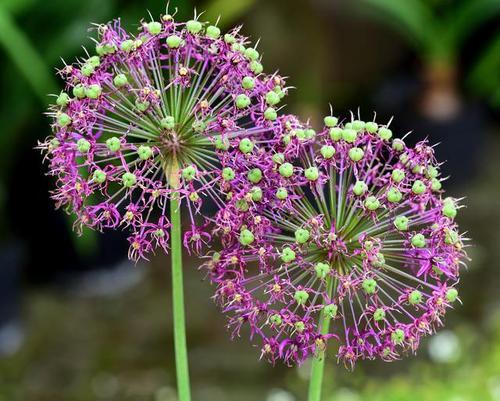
(147, 116)
(351, 241)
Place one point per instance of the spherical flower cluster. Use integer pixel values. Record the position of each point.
(145, 119)
(341, 236)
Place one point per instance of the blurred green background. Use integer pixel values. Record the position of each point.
(78, 323)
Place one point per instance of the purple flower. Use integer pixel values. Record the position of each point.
(150, 115)
(350, 242)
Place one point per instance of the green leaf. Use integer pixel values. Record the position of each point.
(25, 57)
(412, 18)
(484, 78)
(467, 17)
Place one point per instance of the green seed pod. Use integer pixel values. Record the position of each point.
(129, 180)
(254, 175)
(113, 144)
(246, 237)
(167, 122)
(302, 235)
(99, 176)
(311, 173)
(287, 255)
(246, 146)
(286, 170)
(194, 26)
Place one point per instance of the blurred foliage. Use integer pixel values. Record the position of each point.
(438, 29)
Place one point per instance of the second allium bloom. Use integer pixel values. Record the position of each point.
(148, 116)
(351, 242)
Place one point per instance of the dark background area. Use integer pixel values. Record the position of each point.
(79, 322)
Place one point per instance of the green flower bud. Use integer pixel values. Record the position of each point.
(397, 336)
(167, 122)
(349, 135)
(221, 143)
(359, 188)
(418, 187)
(270, 114)
(331, 310)
(120, 80)
(358, 125)
(79, 91)
(194, 26)
(213, 32)
(449, 210)
(63, 99)
(278, 158)
(99, 176)
(369, 286)
(322, 269)
(286, 170)
(87, 70)
(309, 133)
(301, 297)
(418, 241)
(330, 121)
(246, 146)
(379, 260)
(436, 185)
(401, 223)
(327, 151)
(242, 101)
(281, 193)
(246, 237)
(228, 174)
(254, 175)
(251, 54)
(129, 180)
(174, 41)
(394, 195)
(451, 295)
(242, 205)
(189, 173)
(63, 119)
(93, 91)
(335, 134)
(371, 127)
(379, 314)
(398, 145)
(302, 235)
(144, 152)
(127, 45)
(113, 144)
(199, 126)
(431, 172)
(94, 61)
(229, 39)
(154, 27)
(398, 175)
(256, 67)
(275, 319)
(287, 255)
(385, 133)
(272, 98)
(311, 173)
(415, 297)
(299, 326)
(372, 203)
(83, 145)
(256, 194)
(356, 154)
(248, 83)
(142, 105)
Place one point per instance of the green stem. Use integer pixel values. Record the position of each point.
(181, 357)
(318, 362)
